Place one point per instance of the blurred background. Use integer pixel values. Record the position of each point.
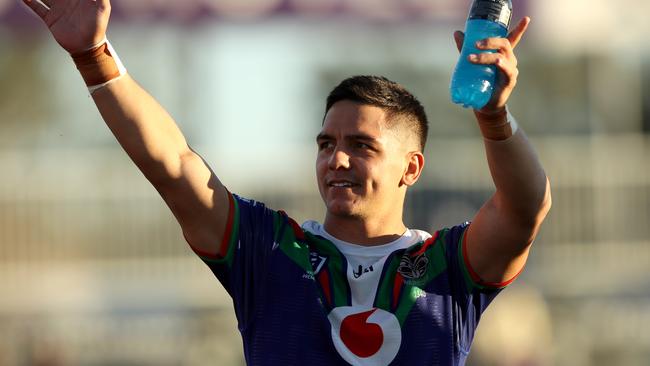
(94, 270)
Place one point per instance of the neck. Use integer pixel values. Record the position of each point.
(364, 231)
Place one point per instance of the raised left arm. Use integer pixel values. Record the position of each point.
(499, 238)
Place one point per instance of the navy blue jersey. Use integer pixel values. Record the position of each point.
(295, 306)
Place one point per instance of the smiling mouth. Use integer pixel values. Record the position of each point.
(341, 184)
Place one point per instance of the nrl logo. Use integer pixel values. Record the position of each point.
(317, 261)
(413, 268)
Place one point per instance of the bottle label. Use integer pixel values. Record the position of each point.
(495, 10)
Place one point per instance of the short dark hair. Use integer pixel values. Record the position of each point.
(402, 106)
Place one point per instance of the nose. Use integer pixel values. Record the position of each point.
(339, 160)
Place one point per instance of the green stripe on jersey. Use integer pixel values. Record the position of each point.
(289, 245)
(335, 265)
(412, 288)
(386, 283)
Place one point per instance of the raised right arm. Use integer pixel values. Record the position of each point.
(145, 130)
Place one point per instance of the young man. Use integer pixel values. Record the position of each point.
(361, 288)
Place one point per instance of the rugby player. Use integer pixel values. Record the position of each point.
(359, 288)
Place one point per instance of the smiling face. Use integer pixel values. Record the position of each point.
(363, 166)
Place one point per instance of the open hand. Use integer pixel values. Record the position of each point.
(505, 60)
(76, 25)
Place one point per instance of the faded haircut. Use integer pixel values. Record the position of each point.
(402, 107)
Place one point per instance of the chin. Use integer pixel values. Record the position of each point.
(342, 209)
(338, 208)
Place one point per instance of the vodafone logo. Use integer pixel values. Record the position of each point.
(365, 337)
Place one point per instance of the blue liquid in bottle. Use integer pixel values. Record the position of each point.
(471, 84)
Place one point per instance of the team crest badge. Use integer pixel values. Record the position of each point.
(413, 268)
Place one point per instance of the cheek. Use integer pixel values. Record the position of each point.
(319, 166)
(387, 176)
(321, 170)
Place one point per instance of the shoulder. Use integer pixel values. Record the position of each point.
(312, 226)
(446, 235)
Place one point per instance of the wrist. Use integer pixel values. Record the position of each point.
(82, 49)
(99, 65)
(496, 125)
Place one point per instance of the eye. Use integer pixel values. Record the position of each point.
(362, 145)
(322, 145)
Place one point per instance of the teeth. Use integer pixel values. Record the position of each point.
(341, 184)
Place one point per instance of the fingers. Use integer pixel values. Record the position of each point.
(505, 64)
(488, 59)
(505, 45)
(493, 44)
(518, 32)
(504, 59)
(459, 37)
(501, 45)
(105, 4)
(38, 7)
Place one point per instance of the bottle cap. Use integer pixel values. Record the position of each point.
(499, 11)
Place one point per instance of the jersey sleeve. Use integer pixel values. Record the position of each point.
(245, 250)
(471, 296)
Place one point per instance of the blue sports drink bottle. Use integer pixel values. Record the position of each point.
(472, 84)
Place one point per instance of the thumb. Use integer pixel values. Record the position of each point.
(459, 37)
(37, 7)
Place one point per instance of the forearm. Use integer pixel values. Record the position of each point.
(522, 188)
(143, 128)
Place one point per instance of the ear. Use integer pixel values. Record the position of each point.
(414, 166)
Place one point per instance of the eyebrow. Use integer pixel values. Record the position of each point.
(323, 136)
(358, 136)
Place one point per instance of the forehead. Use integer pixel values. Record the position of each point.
(348, 117)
